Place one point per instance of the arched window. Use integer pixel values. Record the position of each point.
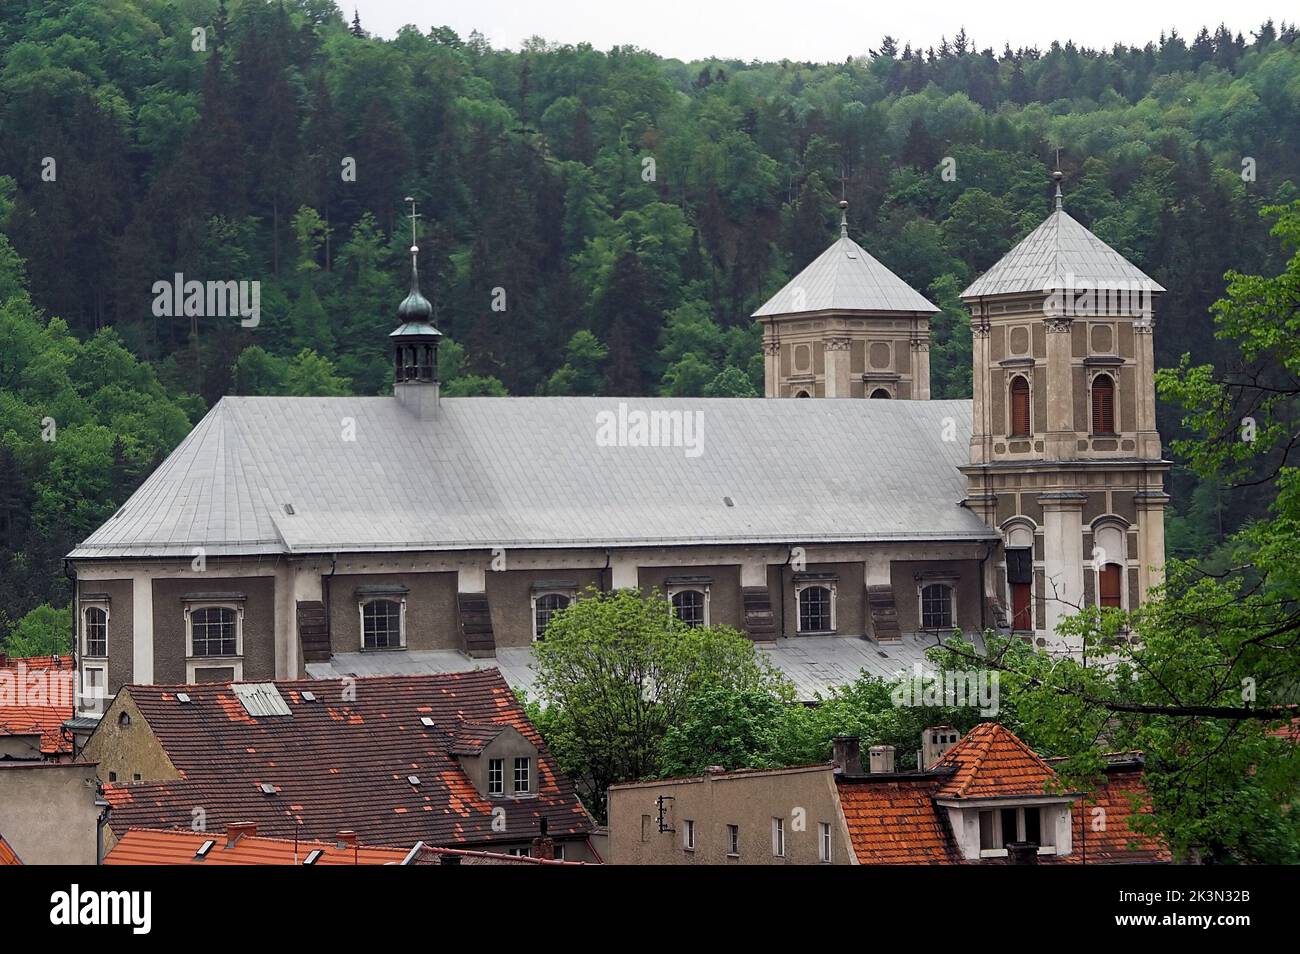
(936, 606)
(96, 632)
(802, 394)
(381, 624)
(691, 607)
(1019, 407)
(1103, 404)
(212, 631)
(544, 607)
(1110, 582)
(816, 609)
(881, 393)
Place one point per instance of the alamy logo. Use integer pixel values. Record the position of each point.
(974, 688)
(637, 428)
(1083, 298)
(195, 299)
(74, 907)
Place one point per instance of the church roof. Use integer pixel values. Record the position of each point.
(1059, 253)
(845, 277)
(337, 474)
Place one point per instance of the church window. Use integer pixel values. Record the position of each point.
(1020, 575)
(381, 624)
(213, 631)
(96, 629)
(802, 394)
(881, 393)
(1019, 407)
(546, 605)
(936, 606)
(1103, 404)
(690, 605)
(816, 608)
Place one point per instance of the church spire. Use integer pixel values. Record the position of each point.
(415, 359)
(1058, 176)
(844, 218)
(415, 307)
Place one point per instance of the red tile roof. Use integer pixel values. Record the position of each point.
(896, 823)
(140, 846)
(37, 693)
(7, 854)
(991, 762)
(354, 747)
(428, 855)
(895, 819)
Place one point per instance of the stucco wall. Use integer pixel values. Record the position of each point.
(510, 599)
(430, 609)
(169, 623)
(125, 751)
(47, 812)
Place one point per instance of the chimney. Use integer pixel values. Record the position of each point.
(1022, 853)
(446, 858)
(345, 839)
(846, 753)
(543, 846)
(236, 831)
(935, 743)
(882, 759)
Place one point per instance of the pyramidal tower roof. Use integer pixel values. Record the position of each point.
(1059, 254)
(845, 277)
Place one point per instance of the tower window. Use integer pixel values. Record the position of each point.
(881, 393)
(1110, 580)
(1103, 404)
(96, 632)
(1019, 407)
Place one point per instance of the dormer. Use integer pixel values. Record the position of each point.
(499, 760)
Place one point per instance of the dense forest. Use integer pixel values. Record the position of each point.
(590, 222)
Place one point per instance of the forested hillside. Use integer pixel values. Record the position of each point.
(590, 222)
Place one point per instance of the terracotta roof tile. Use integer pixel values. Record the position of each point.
(357, 745)
(144, 847)
(7, 854)
(991, 762)
(37, 694)
(1106, 837)
(895, 823)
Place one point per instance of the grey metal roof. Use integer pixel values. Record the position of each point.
(814, 664)
(845, 277)
(279, 475)
(1047, 257)
(261, 699)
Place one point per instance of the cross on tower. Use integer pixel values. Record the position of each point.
(413, 216)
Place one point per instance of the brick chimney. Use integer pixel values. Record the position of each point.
(1022, 853)
(345, 839)
(935, 743)
(543, 845)
(236, 831)
(881, 759)
(846, 753)
(447, 858)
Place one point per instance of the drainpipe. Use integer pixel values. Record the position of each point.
(325, 590)
(100, 823)
(606, 587)
(789, 555)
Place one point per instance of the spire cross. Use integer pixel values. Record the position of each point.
(844, 205)
(1057, 175)
(413, 216)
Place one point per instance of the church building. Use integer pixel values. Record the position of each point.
(291, 537)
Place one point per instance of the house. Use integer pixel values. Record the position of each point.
(240, 844)
(50, 812)
(746, 817)
(450, 760)
(37, 696)
(985, 798)
(345, 536)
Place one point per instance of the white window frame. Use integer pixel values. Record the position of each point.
(568, 594)
(733, 841)
(1107, 525)
(688, 835)
(365, 601)
(798, 604)
(528, 776)
(778, 837)
(921, 586)
(1113, 374)
(824, 848)
(1046, 826)
(196, 664)
(501, 780)
(92, 701)
(701, 588)
(86, 607)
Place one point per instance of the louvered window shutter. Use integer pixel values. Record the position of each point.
(1103, 405)
(1020, 406)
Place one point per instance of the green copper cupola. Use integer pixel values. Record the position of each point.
(415, 340)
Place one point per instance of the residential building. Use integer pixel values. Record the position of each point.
(37, 696)
(785, 816)
(50, 811)
(449, 760)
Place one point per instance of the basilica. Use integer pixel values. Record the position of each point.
(291, 537)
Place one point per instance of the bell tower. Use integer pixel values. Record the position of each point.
(1065, 459)
(846, 326)
(415, 341)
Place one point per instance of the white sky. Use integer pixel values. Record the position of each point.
(817, 30)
